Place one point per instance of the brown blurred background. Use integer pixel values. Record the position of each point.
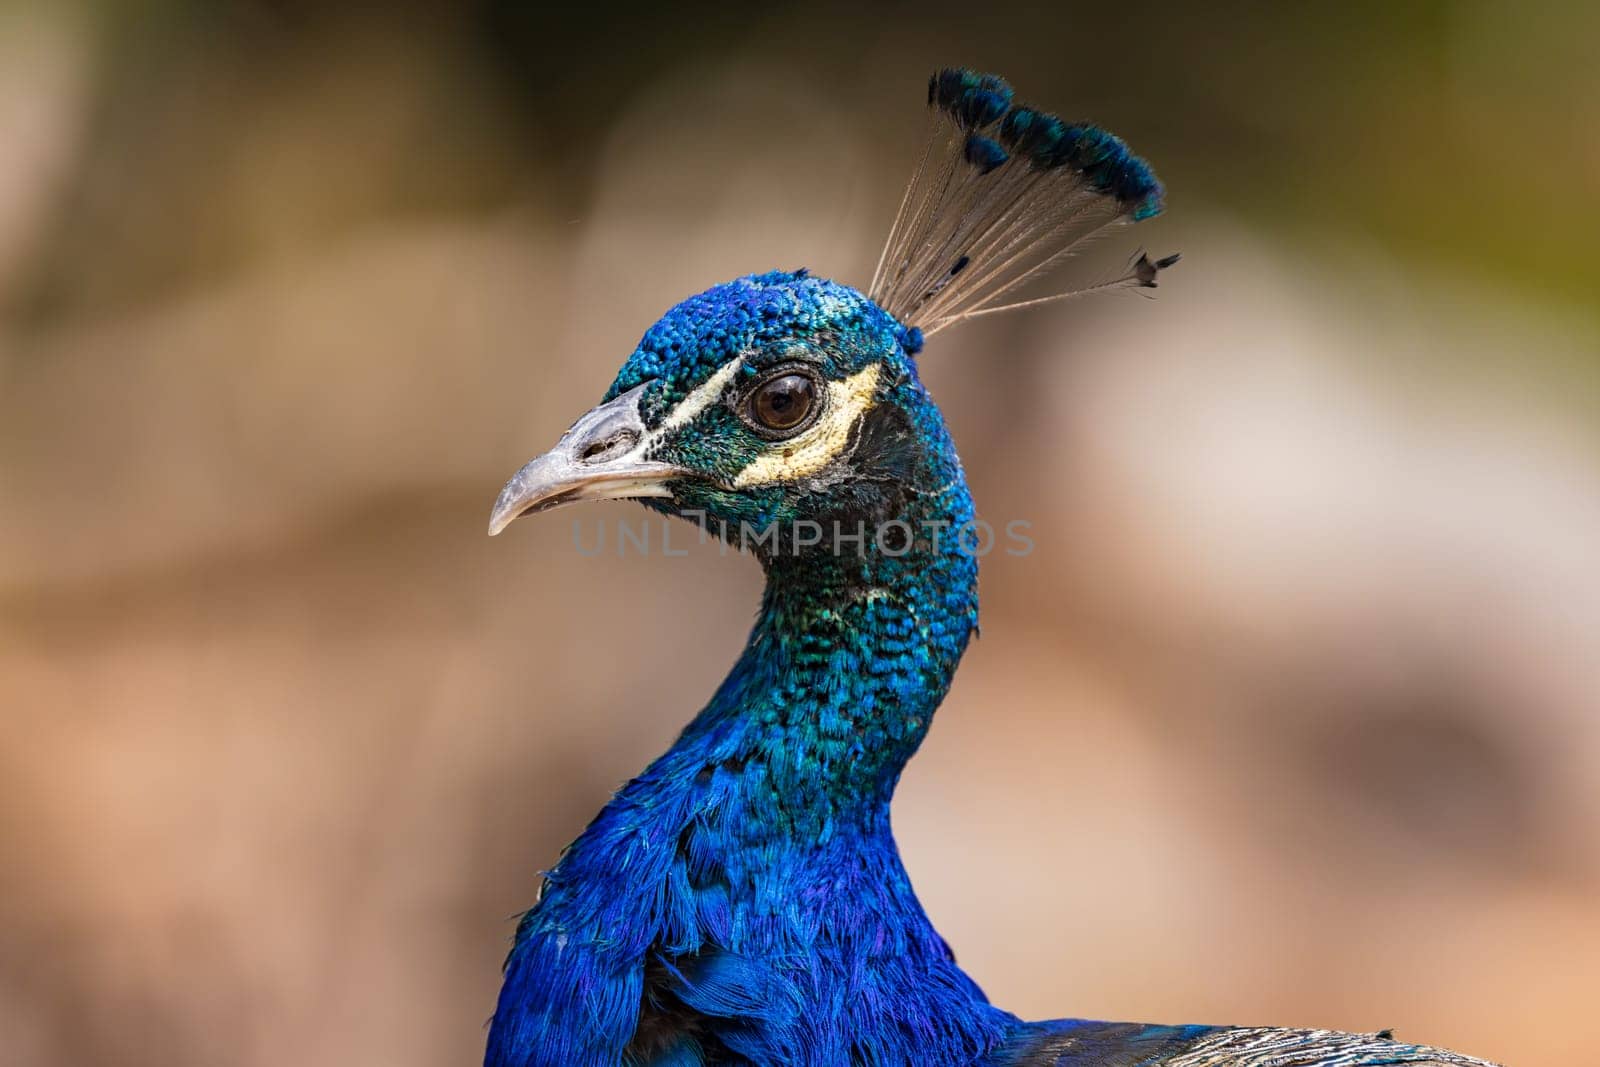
(1293, 716)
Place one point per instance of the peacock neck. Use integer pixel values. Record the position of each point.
(755, 857)
(854, 648)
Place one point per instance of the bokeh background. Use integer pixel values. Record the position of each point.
(1293, 716)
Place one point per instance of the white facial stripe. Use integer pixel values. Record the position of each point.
(703, 397)
(816, 447)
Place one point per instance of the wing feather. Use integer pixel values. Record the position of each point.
(1074, 1043)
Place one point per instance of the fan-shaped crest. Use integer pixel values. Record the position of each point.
(1003, 193)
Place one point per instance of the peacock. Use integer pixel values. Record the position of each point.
(742, 900)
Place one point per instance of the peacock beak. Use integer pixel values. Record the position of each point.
(599, 458)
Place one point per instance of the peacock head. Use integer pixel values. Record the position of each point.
(768, 404)
(783, 400)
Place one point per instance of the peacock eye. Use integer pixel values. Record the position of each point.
(784, 403)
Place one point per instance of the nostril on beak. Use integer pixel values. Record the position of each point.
(620, 441)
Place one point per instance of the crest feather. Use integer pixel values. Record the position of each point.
(1003, 193)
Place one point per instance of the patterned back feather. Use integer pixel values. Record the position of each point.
(1078, 1043)
(1003, 193)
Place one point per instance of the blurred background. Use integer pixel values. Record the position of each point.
(1307, 656)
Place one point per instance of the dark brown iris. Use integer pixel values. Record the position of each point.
(785, 402)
